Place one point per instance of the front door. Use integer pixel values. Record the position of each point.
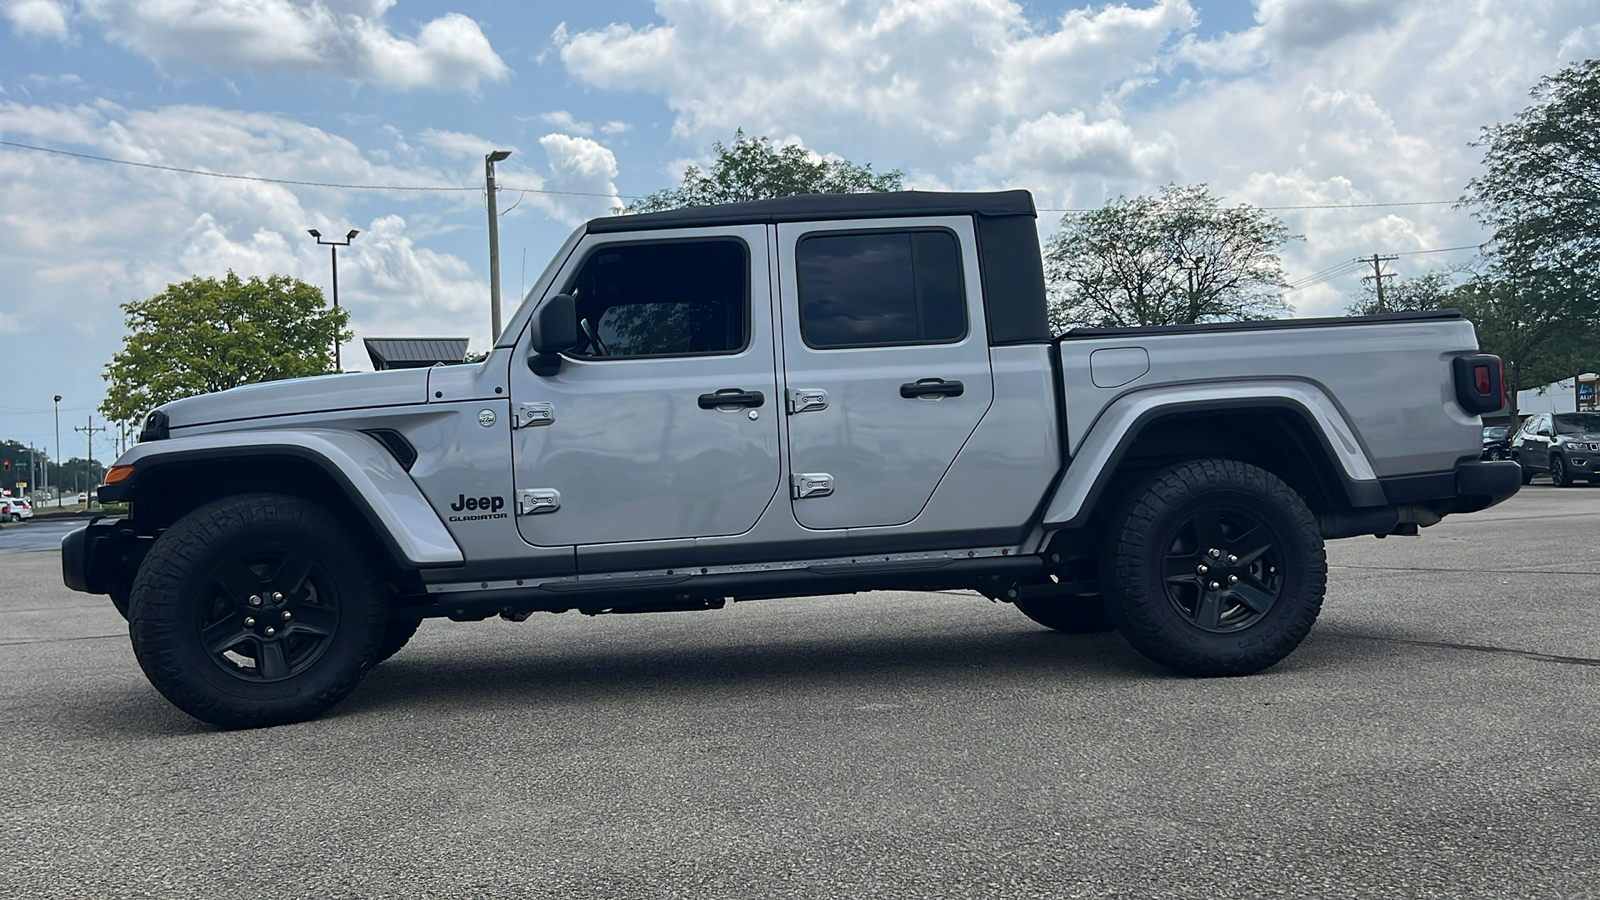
(886, 362)
(663, 422)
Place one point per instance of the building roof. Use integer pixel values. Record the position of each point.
(414, 353)
(813, 207)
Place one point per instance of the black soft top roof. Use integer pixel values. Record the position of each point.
(821, 207)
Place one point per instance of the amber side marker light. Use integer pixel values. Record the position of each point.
(118, 473)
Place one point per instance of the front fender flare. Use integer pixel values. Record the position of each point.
(370, 477)
(1119, 424)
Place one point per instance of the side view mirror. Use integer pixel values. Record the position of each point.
(554, 329)
(1544, 432)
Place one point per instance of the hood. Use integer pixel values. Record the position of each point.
(293, 396)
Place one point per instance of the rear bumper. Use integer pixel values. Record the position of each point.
(1417, 501)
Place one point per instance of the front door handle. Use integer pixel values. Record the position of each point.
(931, 387)
(732, 397)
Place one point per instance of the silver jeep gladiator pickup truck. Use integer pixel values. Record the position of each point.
(781, 398)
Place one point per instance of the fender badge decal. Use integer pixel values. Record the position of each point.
(486, 417)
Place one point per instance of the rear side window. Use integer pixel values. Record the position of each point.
(663, 298)
(883, 287)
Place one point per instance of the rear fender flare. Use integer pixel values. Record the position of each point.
(1119, 425)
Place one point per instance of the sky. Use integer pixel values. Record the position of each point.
(1352, 120)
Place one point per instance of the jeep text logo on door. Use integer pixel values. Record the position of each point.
(490, 507)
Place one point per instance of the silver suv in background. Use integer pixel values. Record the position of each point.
(1565, 446)
(15, 509)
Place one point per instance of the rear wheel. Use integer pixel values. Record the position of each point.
(1215, 567)
(257, 610)
(1527, 474)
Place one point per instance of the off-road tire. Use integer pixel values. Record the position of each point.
(1527, 473)
(1069, 613)
(397, 635)
(208, 603)
(1200, 623)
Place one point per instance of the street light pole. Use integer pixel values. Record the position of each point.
(333, 256)
(58, 450)
(489, 160)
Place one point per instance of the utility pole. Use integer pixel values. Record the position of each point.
(58, 451)
(1378, 275)
(90, 429)
(489, 160)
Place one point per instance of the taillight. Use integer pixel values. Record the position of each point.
(1480, 383)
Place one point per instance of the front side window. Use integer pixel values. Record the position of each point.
(877, 288)
(663, 298)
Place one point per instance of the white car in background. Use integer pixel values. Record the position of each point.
(15, 509)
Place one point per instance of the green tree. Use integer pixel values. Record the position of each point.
(1430, 290)
(1176, 258)
(205, 335)
(1536, 342)
(756, 169)
(1540, 190)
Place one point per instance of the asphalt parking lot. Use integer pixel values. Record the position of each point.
(1435, 737)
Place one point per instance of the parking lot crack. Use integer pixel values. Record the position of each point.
(1482, 648)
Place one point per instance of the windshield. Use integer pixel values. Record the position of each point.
(1577, 423)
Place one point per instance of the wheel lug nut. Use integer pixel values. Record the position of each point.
(287, 615)
(1232, 559)
(271, 631)
(1214, 552)
(1214, 586)
(1233, 579)
(254, 600)
(277, 597)
(249, 621)
(1202, 569)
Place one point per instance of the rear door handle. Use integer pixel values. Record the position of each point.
(732, 397)
(931, 387)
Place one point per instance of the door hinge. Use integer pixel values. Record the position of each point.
(534, 501)
(811, 484)
(807, 399)
(530, 414)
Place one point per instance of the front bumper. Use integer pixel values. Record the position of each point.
(103, 553)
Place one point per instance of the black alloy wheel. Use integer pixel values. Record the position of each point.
(1214, 567)
(268, 616)
(1223, 568)
(1558, 471)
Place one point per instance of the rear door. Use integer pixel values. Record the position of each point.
(886, 363)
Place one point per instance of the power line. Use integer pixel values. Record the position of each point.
(1085, 209)
(297, 182)
(415, 187)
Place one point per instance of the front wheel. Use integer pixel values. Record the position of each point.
(1215, 567)
(257, 610)
(1558, 472)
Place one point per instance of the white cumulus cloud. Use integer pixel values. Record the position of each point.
(341, 37)
(36, 18)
